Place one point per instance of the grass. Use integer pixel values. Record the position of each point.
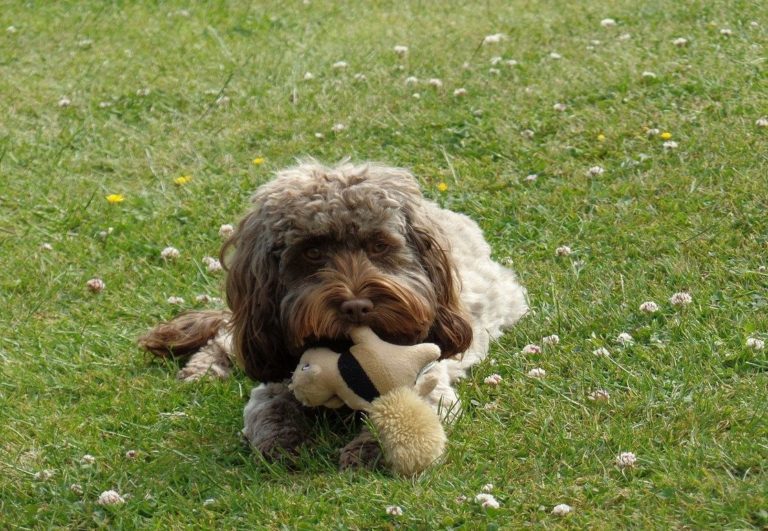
(688, 397)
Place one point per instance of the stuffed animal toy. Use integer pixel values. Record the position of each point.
(379, 378)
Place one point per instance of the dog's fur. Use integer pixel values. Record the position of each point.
(318, 237)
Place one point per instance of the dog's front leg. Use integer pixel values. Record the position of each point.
(363, 451)
(275, 423)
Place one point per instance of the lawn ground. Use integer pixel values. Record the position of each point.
(652, 171)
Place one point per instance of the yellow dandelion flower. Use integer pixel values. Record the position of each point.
(442, 187)
(665, 135)
(113, 199)
(601, 137)
(182, 180)
(258, 161)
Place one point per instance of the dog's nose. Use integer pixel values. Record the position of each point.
(356, 309)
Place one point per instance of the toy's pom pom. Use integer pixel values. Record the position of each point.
(410, 432)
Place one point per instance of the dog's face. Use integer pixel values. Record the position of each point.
(324, 251)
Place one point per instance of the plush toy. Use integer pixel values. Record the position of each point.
(379, 378)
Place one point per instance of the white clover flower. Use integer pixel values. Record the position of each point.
(143, 92)
(459, 92)
(527, 133)
(531, 349)
(488, 487)
(207, 298)
(762, 122)
(594, 171)
(110, 497)
(212, 264)
(319, 136)
(624, 37)
(400, 50)
(46, 247)
(84, 43)
(625, 339)
(208, 501)
(394, 510)
(493, 39)
(105, 104)
(339, 65)
(670, 145)
(754, 24)
(435, 82)
(87, 459)
(511, 62)
(170, 253)
(648, 75)
(65, 102)
(560, 107)
(494, 71)
(552, 340)
(411, 80)
(338, 128)
(626, 460)
(226, 230)
(563, 250)
(555, 56)
(360, 77)
(652, 132)
(95, 285)
(599, 395)
(607, 23)
(11, 29)
(493, 380)
(601, 352)
(76, 488)
(496, 59)
(175, 300)
(755, 343)
(680, 42)
(726, 32)
(309, 76)
(537, 372)
(561, 509)
(131, 454)
(416, 95)
(222, 101)
(487, 501)
(531, 177)
(44, 475)
(461, 498)
(649, 307)
(681, 299)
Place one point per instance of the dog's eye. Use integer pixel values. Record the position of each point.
(305, 367)
(313, 254)
(379, 247)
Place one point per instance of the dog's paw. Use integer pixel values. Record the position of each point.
(280, 444)
(275, 423)
(363, 452)
(192, 373)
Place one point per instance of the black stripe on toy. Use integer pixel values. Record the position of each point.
(354, 376)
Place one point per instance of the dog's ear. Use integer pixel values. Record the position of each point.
(451, 329)
(253, 289)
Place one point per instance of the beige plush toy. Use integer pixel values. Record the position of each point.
(379, 378)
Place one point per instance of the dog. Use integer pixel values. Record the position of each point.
(323, 250)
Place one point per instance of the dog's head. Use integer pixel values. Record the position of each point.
(327, 249)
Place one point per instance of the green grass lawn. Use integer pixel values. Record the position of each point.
(103, 98)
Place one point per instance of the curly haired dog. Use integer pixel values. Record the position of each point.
(325, 249)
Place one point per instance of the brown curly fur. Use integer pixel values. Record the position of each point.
(372, 243)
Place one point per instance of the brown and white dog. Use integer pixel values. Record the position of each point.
(325, 249)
